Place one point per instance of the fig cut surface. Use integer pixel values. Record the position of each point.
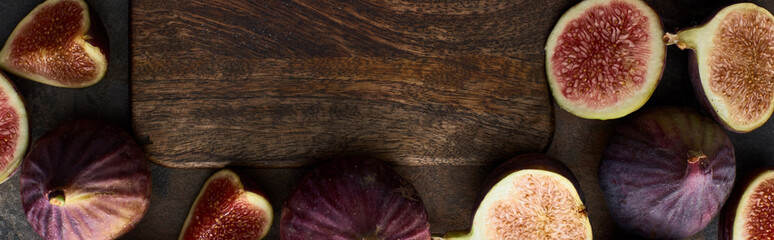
(530, 204)
(14, 131)
(57, 44)
(224, 209)
(754, 218)
(604, 58)
(733, 70)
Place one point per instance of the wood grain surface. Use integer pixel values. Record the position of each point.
(288, 83)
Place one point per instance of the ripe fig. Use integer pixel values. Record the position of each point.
(354, 199)
(749, 213)
(227, 209)
(14, 131)
(732, 68)
(666, 173)
(85, 180)
(604, 58)
(532, 196)
(59, 43)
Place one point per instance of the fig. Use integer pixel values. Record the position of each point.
(604, 58)
(749, 213)
(14, 130)
(85, 179)
(227, 209)
(59, 43)
(531, 196)
(731, 67)
(356, 198)
(666, 172)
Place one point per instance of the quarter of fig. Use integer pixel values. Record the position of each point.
(604, 58)
(666, 173)
(732, 67)
(59, 43)
(85, 180)
(532, 196)
(749, 214)
(227, 209)
(354, 199)
(14, 131)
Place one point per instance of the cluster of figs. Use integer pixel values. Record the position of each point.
(668, 171)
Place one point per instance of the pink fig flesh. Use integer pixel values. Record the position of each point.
(55, 44)
(604, 58)
(531, 196)
(224, 209)
(730, 65)
(750, 213)
(14, 132)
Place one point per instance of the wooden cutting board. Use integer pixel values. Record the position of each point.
(278, 83)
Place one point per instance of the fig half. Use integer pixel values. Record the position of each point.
(59, 43)
(666, 173)
(14, 131)
(604, 58)
(532, 196)
(227, 209)
(85, 180)
(749, 214)
(354, 199)
(732, 65)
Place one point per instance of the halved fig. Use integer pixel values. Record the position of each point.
(604, 58)
(354, 199)
(85, 180)
(14, 132)
(750, 213)
(732, 67)
(666, 173)
(227, 209)
(59, 43)
(532, 196)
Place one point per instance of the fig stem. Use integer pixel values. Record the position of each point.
(695, 156)
(57, 200)
(674, 39)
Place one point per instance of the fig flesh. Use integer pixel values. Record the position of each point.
(666, 173)
(227, 209)
(732, 67)
(532, 196)
(85, 180)
(14, 131)
(354, 199)
(59, 43)
(750, 213)
(604, 58)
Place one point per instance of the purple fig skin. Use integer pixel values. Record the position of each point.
(100, 172)
(354, 199)
(728, 214)
(667, 172)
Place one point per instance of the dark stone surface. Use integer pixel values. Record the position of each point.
(449, 192)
